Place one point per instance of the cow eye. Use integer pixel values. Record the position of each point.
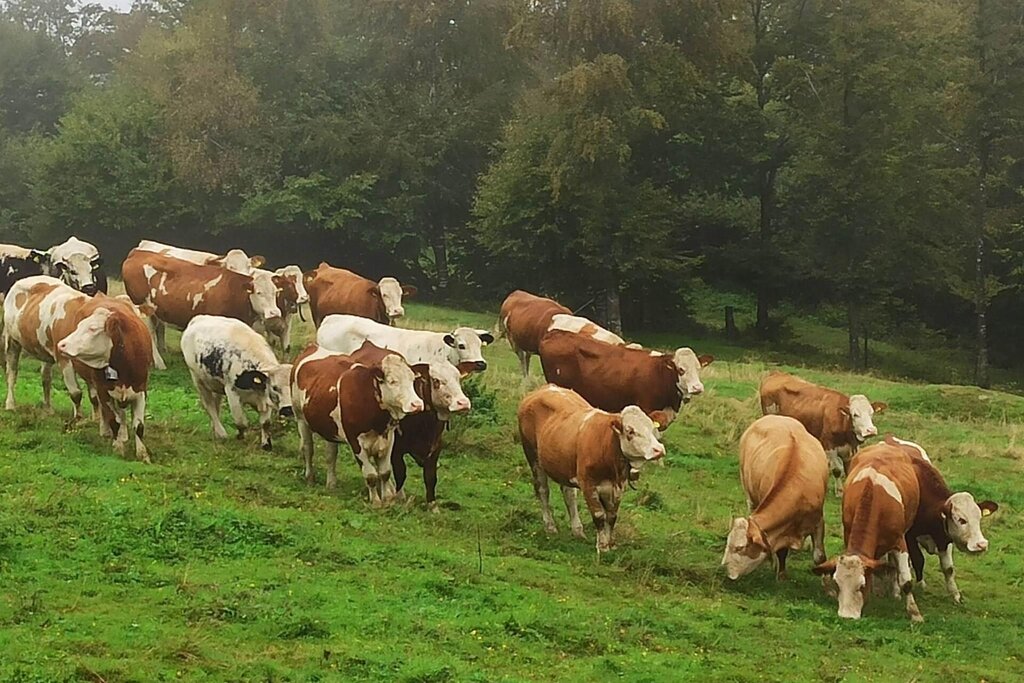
(437, 383)
(962, 521)
(462, 347)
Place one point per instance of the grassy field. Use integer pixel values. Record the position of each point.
(218, 563)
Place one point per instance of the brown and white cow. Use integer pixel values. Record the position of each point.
(419, 435)
(235, 259)
(100, 339)
(340, 399)
(291, 295)
(840, 422)
(944, 519)
(338, 291)
(880, 504)
(524, 319)
(145, 313)
(580, 447)
(785, 475)
(179, 290)
(612, 377)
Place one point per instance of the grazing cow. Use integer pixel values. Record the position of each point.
(228, 358)
(100, 339)
(785, 474)
(419, 435)
(235, 259)
(611, 377)
(17, 263)
(291, 295)
(145, 313)
(944, 519)
(338, 291)
(840, 422)
(880, 504)
(524, 319)
(77, 264)
(586, 327)
(462, 347)
(340, 399)
(566, 439)
(179, 290)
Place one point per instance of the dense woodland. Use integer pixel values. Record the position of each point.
(861, 158)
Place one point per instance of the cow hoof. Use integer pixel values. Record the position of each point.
(310, 478)
(958, 599)
(781, 576)
(916, 618)
(550, 529)
(433, 507)
(267, 446)
(579, 533)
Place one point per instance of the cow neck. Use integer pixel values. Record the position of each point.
(130, 355)
(368, 413)
(620, 462)
(668, 376)
(863, 536)
(774, 513)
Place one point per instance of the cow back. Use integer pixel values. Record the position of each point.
(817, 408)
(335, 290)
(880, 500)
(526, 317)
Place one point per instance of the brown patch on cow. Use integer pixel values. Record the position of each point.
(824, 412)
(525, 318)
(338, 291)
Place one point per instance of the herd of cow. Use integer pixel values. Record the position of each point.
(389, 392)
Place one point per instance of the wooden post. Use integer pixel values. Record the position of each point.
(730, 322)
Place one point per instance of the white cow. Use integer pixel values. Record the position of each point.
(461, 347)
(77, 264)
(228, 358)
(235, 259)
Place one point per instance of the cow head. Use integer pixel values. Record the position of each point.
(466, 346)
(397, 394)
(961, 516)
(294, 273)
(263, 295)
(860, 411)
(851, 574)
(638, 436)
(272, 385)
(745, 548)
(391, 294)
(91, 342)
(688, 365)
(77, 264)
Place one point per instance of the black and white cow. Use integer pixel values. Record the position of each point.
(228, 358)
(17, 263)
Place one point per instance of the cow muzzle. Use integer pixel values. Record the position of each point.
(480, 365)
(286, 411)
(90, 289)
(415, 407)
(658, 452)
(978, 548)
(396, 313)
(461, 406)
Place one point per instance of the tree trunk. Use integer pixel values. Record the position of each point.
(981, 373)
(439, 246)
(730, 322)
(764, 241)
(613, 310)
(853, 332)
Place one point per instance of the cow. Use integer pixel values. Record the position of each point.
(944, 519)
(420, 435)
(100, 339)
(291, 295)
(581, 447)
(340, 399)
(179, 290)
(784, 473)
(524, 320)
(840, 422)
(77, 264)
(462, 347)
(228, 358)
(880, 504)
(586, 327)
(338, 291)
(17, 263)
(611, 377)
(235, 259)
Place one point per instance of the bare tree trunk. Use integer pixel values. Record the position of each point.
(764, 240)
(853, 333)
(981, 370)
(613, 310)
(439, 247)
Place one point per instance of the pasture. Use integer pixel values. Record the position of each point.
(218, 563)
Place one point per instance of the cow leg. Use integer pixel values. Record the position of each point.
(47, 376)
(610, 495)
(916, 559)
(71, 382)
(430, 480)
(837, 469)
(524, 362)
(139, 426)
(160, 334)
(306, 446)
(286, 333)
(12, 352)
(210, 400)
(266, 420)
(121, 442)
(906, 583)
(237, 412)
(370, 477)
(597, 514)
(780, 556)
(113, 426)
(569, 495)
(400, 471)
(946, 562)
(384, 475)
(540, 488)
(332, 464)
(94, 402)
(818, 542)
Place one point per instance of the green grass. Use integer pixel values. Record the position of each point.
(218, 563)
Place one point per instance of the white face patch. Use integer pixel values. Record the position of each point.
(860, 414)
(851, 579)
(963, 523)
(446, 394)
(397, 394)
(468, 345)
(391, 294)
(89, 343)
(639, 436)
(739, 558)
(879, 479)
(688, 366)
(264, 296)
(294, 273)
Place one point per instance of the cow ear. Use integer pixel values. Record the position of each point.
(251, 380)
(879, 406)
(485, 336)
(97, 263)
(824, 568)
(660, 417)
(947, 508)
(40, 257)
(871, 564)
(987, 507)
(617, 424)
(257, 261)
(409, 290)
(845, 410)
(449, 340)
(705, 360)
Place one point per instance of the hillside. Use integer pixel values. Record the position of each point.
(218, 563)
